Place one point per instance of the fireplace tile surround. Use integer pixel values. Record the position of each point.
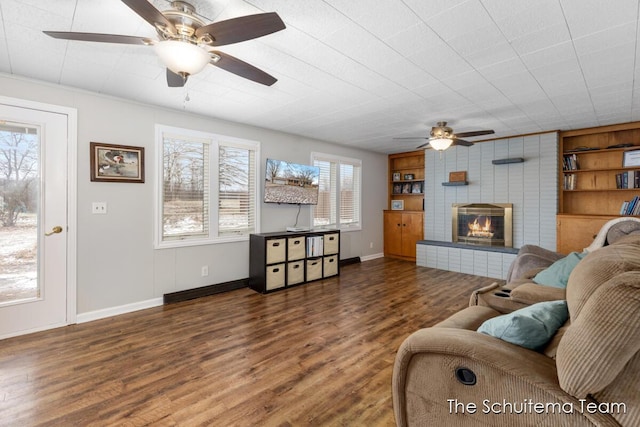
(530, 187)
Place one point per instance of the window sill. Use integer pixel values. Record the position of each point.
(204, 242)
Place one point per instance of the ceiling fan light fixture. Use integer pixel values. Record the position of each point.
(440, 144)
(182, 57)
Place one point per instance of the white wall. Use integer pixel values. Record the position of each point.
(116, 263)
(530, 186)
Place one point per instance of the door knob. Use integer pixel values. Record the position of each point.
(55, 230)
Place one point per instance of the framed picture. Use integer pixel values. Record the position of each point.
(396, 176)
(631, 158)
(409, 176)
(397, 188)
(397, 205)
(406, 188)
(116, 163)
(416, 187)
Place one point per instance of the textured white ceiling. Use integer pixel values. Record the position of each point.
(362, 72)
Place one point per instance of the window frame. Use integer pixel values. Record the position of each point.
(215, 141)
(340, 160)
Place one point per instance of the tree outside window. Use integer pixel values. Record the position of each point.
(208, 193)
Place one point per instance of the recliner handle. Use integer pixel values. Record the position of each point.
(466, 376)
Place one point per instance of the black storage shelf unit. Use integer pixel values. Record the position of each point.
(281, 260)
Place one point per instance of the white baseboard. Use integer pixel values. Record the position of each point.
(370, 257)
(114, 311)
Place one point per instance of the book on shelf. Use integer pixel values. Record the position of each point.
(315, 246)
(569, 181)
(631, 207)
(628, 179)
(570, 162)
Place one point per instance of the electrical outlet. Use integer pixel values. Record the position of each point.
(205, 270)
(99, 208)
(370, 245)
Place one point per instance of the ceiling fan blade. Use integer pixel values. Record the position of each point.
(242, 69)
(149, 13)
(457, 141)
(100, 38)
(175, 80)
(412, 137)
(474, 133)
(425, 145)
(243, 28)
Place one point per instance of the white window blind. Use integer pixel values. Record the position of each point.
(340, 192)
(207, 188)
(237, 191)
(349, 194)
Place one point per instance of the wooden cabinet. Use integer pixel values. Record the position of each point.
(402, 230)
(592, 162)
(576, 232)
(406, 180)
(403, 222)
(282, 260)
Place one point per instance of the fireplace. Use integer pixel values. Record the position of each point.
(482, 224)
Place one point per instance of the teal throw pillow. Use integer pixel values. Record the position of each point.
(557, 274)
(530, 327)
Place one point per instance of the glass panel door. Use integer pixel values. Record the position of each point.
(19, 211)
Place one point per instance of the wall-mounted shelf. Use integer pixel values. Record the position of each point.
(455, 183)
(507, 161)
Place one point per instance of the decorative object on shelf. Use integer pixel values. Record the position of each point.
(406, 188)
(396, 176)
(416, 187)
(397, 188)
(507, 161)
(409, 176)
(458, 176)
(631, 159)
(578, 149)
(116, 163)
(397, 205)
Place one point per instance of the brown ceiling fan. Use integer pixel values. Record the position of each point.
(442, 137)
(186, 42)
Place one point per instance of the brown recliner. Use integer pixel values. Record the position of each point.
(588, 374)
(521, 291)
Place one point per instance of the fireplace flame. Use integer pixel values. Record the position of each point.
(477, 230)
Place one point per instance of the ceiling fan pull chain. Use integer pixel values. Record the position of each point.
(186, 99)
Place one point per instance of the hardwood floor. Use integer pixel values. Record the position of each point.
(314, 355)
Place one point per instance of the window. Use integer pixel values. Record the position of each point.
(207, 188)
(339, 199)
